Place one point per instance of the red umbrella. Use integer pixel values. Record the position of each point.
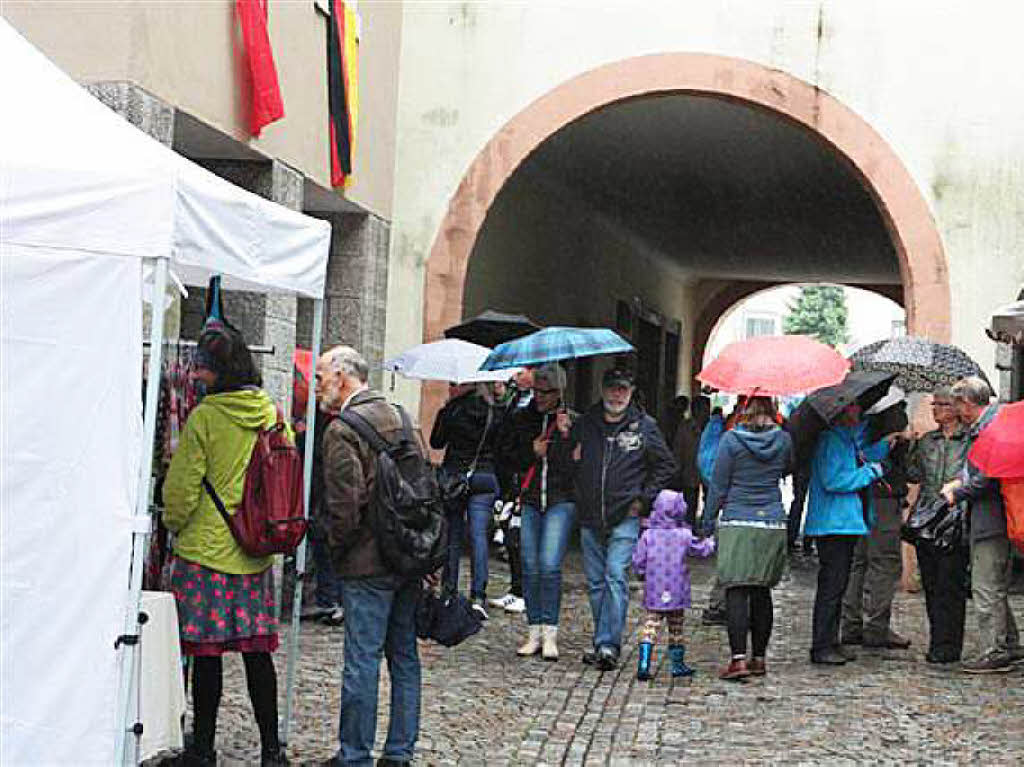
(303, 362)
(999, 450)
(775, 366)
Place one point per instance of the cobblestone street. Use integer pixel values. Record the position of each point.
(483, 705)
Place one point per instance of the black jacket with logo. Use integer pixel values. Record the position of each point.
(621, 463)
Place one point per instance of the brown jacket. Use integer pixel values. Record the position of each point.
(350, 466)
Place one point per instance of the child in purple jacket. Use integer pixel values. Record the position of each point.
(660, 556)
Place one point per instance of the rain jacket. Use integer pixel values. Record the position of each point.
(745, 482)
(660, 554)
(836, 507)
(553, 478)
(464, 426)
(217, 443)
(985, 502)
(934, 460)
(708, 447)
(621, 463)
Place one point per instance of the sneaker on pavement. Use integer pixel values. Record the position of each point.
(314, 612)
(478, 607)
(607, 658)
(517, 605)
(990, 663)
(501, 602)
(334, 618)
(589, 657)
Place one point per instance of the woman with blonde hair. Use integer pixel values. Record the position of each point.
(751, 461)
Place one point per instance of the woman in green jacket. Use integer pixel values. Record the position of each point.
(225, 598)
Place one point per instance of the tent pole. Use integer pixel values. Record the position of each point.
(128, 641)
(300, 556)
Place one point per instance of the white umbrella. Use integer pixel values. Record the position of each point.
(449, 360)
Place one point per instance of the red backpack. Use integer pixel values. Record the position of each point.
(270, 518)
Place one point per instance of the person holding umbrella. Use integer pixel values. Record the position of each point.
(839, 514)
(990, 544)
(623, 464)
(538, 446)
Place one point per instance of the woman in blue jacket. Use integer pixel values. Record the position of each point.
(839, 513)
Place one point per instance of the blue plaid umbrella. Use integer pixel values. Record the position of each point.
(555, 344)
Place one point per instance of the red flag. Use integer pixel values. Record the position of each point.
(266, 94)
(341, 89)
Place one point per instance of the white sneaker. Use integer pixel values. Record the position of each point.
(501, 602)
(478, 607)
(516, 605)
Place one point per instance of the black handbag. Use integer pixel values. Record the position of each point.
(920, 526)
(448, 621)
(454, 486)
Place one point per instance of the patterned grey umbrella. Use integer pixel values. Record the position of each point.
(920, 365)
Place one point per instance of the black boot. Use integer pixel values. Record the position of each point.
(274, 759)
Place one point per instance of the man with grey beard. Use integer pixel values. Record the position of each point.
(623, 464)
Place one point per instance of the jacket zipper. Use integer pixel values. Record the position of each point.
(605, 459)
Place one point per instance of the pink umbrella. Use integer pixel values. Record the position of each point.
(774, 366)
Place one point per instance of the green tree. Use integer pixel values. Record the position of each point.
(819, 311)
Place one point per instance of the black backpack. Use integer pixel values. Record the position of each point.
(406, 509)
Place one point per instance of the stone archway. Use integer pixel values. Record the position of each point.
(915, 238)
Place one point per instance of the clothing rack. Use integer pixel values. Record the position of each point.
(191, 344)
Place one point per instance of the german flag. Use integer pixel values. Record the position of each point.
(342, 88)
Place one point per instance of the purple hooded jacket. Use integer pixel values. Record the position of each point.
(661, 553)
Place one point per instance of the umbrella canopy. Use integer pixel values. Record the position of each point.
(999, 450)
(492, 328)
(819, 409)
(920, 365)
(449, 360)
(774, 366)
(302, 363)
(554, 344)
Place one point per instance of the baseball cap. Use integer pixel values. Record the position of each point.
(617, 377)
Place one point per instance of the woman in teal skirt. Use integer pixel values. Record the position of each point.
(752, 460)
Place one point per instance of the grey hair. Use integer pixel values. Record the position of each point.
(345, 359)
(972, 389)
(942, 392)
(552, 373)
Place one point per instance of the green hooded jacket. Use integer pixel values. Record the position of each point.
(217, 443)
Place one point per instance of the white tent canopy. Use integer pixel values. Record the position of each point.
(85, 201)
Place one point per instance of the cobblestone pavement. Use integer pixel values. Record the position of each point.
(484, 706)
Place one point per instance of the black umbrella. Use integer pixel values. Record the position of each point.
(820, 408)
(919, 364)
(492, 328)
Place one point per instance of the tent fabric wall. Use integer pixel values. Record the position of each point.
(85, 201)
(71, 348)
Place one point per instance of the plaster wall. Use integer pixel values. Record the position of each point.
(545, 253)
(930, 78)
(190, 55)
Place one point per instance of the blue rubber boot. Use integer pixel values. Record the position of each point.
(677, 653)
(645, 660)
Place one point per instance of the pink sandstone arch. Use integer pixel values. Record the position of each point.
(915, 238)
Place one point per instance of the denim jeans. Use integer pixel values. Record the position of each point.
(480, 510)
(606, 563)
(327, 592)
(543, 538)
(380, 617)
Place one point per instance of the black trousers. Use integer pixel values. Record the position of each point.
(692, 497)
(835, 555)
(207, 682)
(944, 578)
(748, 609)
(515, 559)
(801, 481)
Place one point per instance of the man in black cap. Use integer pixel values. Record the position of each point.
(624, 464)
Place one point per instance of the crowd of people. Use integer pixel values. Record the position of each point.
(542, 471)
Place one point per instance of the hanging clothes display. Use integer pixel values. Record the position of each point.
(342, 87)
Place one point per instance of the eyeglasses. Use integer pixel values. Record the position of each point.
(942, 404)
(545, 391)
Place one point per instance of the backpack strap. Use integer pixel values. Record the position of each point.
(365, 430)
(217, 502)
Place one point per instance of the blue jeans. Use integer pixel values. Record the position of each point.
(543, 539)
(380, 617)
(480, 510)
(328, 584)
(606, 564)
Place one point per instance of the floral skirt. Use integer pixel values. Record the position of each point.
(220, 612)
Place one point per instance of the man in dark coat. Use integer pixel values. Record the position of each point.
(624, 463)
